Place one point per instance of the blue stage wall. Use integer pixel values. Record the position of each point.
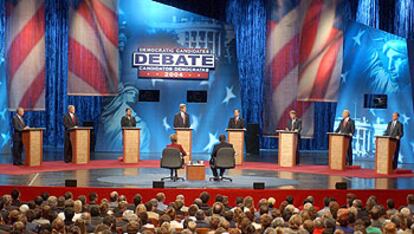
(146, 23)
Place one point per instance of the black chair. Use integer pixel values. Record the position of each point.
(224, 160)
(171, 159)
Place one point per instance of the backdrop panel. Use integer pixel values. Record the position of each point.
(376, 62)
(150, 24)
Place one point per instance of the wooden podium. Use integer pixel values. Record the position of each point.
(80, 138)
(288, 141)
(384, 153)
(236, 138)
(131, 140)
(184, 138)
(33, 146)
(338, 148)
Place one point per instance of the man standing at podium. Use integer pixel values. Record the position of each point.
(182, 119)
(347, 127)
(70, 120)
(236, 122)
(128, 120)
(18, 127)
(395, 130)
(295, 125)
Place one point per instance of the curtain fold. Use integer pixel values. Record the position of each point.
(4, 122)
(368, 13)
(404, 18)
(249, 20)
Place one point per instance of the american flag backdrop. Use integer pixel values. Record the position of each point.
(303, 60)
(26, 54)
(93, 48)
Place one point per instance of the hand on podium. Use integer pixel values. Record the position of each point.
(27, 127)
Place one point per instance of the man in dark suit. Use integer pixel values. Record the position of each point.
(70, 120)
(295, 124)
(222, 144)
(395, 130)
(128, 120)
(182, 119)
(347, 127)
(236, 122)
(18, 127)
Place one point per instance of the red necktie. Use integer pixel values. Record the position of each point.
(345, 122)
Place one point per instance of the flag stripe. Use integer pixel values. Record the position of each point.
(25, 40)
(33, 93)
(93, 48)
(30, 68)
(326, 70)
(286, 54)
(310, 29)
(105, 18)
(88, 73)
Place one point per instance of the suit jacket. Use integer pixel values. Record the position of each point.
(131, 122)
(179, 122)
(232, 123)
(349, 128)
(397, 131)
(69, 123)
(216, 149)
(18, 126)
(297, 125)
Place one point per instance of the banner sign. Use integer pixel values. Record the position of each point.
(177, 63)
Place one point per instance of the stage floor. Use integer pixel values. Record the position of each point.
(242, 177)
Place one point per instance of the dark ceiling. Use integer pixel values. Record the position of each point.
(210, 8)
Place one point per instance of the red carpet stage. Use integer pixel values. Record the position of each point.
(52, 166)
(29, 193)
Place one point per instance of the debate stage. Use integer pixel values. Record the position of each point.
(104, 170)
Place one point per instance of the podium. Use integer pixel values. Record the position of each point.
(338, 149)
(384, 154)
(33, 146)
(288, 142)
(236, 138)
(80, 138)
(184, 138)
(131, 141)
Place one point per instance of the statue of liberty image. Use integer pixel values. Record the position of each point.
(110, 130)
(388, 69)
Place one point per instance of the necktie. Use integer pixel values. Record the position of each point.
(344, 123)
(183, 115)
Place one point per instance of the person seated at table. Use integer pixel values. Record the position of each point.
(175, 145)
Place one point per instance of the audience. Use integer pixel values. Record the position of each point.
(50, 214)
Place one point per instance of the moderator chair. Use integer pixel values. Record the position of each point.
(224, 160)
(171, 159)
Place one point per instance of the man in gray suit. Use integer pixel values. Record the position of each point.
(295, 124)
(395, 130)
(347, 127)
(18, 127)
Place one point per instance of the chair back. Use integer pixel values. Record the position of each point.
(225, 158)
(171, 159)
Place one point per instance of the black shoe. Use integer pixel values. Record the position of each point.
(20, 163)
(67, 161)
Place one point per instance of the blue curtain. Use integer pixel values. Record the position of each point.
(404, 19)
(4, 126)
(57, 38)
(368, 13)
(249, 20)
